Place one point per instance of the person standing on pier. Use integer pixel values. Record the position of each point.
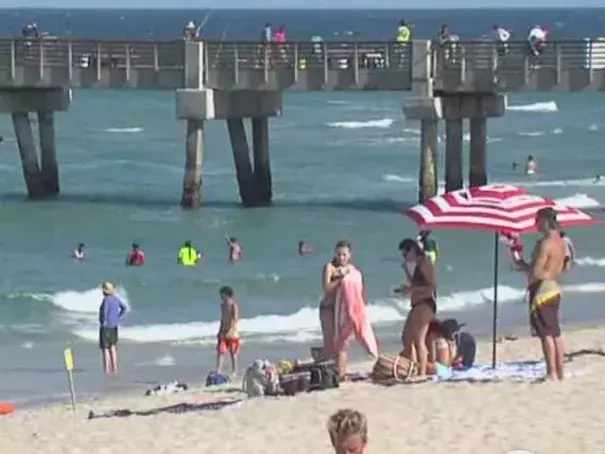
(403, 37)
(501, 35)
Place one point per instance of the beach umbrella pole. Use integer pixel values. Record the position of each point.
(495, 309)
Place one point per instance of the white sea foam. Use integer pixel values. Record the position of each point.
(392, 178)
(83, 302)
(302, 326)
(383, 123)
(579, 201)
(583, 182)
(546, 107)
(590, 261)
(131, 130)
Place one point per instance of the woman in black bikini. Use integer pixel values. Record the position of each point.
(332, 275)
(421, 288)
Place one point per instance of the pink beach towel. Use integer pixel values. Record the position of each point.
(351, 316)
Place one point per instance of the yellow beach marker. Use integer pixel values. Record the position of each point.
(68, 357)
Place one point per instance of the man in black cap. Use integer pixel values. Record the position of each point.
(466, 346)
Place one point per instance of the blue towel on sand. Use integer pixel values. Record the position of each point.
(521, 371)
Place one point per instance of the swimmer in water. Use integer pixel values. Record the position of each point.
(428, 245)
(515, 165)
(235, 250)
(304, 248)
(136, 257)
(531, 167)
(597, 178)
(79, 252)
(188, 255)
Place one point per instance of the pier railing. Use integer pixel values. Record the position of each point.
(458, 66)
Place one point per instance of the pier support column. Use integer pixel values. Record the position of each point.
(48, 153)
(427, 178)
(262, 163)
(478, 167)
(453, 155)
(29, 155)
(254, 182)
(194, 156)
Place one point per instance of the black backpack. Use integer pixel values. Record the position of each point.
(324, 375)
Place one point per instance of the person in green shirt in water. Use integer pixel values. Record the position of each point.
(428, 245)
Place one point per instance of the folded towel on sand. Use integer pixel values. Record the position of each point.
(520, 371)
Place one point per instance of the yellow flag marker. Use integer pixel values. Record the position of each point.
(68, 357)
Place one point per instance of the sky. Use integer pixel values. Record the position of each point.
(306, 4)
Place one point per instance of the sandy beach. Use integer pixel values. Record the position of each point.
(433, 417)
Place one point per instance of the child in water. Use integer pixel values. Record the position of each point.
(228, 334)
(235, 250)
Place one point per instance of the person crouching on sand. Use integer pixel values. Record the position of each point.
(421, 287)
(348, 430)
(228, 334)
(332, 274)
(112, 310)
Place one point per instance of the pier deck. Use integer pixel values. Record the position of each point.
(473, 66)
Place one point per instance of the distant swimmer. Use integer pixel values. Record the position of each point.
(235, 250)
(304, 248)
(188, 255)
(79, 252)
(597, 178)
(428, 245)
(136, 257)
(515, 165)
(531, 166)
(570, 254)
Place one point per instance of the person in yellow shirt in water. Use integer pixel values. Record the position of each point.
(188, 255)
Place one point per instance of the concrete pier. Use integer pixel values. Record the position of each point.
(477, 175)
(48, 153)
(427, 176)
(262, 163)
(246, 180)
(194, 155)
(29, 155)
(453, 155)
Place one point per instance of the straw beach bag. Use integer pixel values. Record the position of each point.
(389, 367)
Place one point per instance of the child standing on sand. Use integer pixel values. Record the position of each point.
(228, 335)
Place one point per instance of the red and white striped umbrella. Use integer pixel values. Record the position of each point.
(492, 207)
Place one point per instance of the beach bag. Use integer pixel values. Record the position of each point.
(324, 374)
(396, 367)
(299, 382)
(214, 379)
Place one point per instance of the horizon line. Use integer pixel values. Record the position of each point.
(297, 8)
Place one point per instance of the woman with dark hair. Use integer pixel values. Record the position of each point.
(421, 287)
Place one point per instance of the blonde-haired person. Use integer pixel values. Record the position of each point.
(348, 431)
(110, 313)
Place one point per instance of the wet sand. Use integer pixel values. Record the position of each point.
(433, 417)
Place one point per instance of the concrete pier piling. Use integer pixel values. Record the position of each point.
(477, 175)
(48, 153)
(194, 155)
(262, 163)
(29, 155)
(453, 155)
(427, 175)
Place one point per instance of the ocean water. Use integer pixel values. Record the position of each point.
(343, 165)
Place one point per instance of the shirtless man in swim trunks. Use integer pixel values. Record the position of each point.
(547, 264)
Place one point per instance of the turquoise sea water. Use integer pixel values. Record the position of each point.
(343, 165)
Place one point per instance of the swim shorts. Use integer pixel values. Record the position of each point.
(108, 337)
(228, 345)
(544, 319)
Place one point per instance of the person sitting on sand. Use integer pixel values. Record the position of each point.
(112, 310)
(449, 346)
(421, 287)
(228, 333)
(79, 252)
(235, 250)
(441, 348)
(332, 274)
(348, 430)
(304, 248)
(136, 257)
(544, 293)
